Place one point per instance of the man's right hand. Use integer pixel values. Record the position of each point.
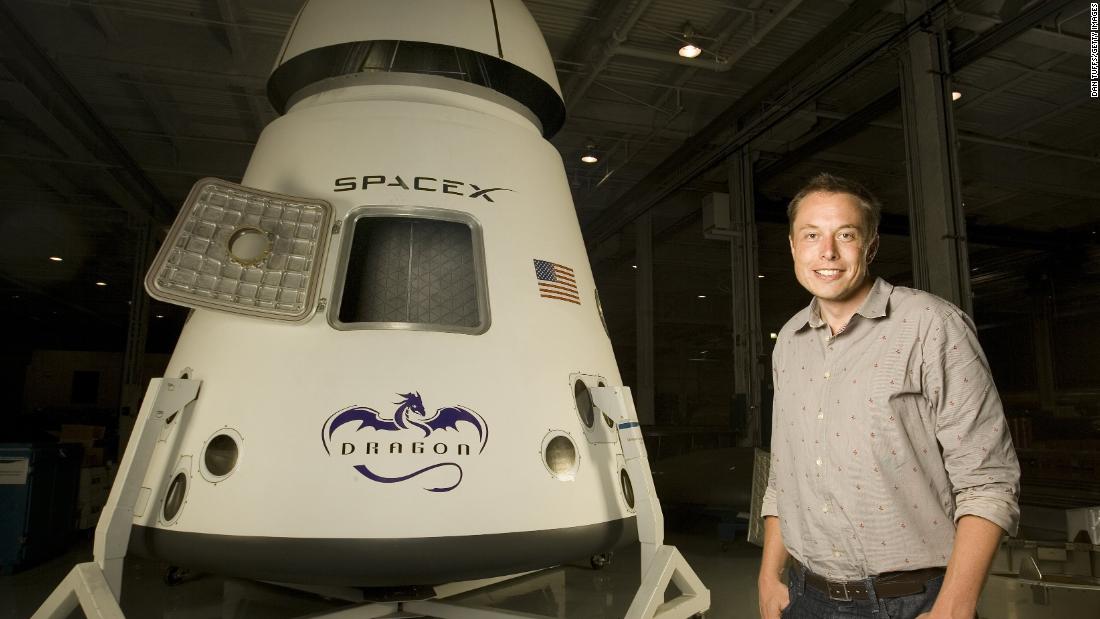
(773, 594)
(774, 597)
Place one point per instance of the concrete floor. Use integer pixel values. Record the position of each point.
(568, 592)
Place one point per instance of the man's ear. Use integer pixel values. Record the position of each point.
(872, 249)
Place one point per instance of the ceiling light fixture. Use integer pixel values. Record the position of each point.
(689, 47)
(702, 296)
(589, 156)
(101, 283)
(956, 95)
(773, 335)
(760, 276)
(56, 258)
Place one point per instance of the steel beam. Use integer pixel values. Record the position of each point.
(229, 11)
(696, 152)
(940, 261)
(643, 256)
(985, 42)
(995, 37)
(129, 174)
(745, 293)
(835, 133)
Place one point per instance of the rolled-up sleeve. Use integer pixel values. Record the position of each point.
(769, 506)
(970, 426)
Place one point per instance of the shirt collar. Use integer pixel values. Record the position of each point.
(874, 306)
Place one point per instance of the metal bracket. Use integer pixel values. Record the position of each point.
(96, 586)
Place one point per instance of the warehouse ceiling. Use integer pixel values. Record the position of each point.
(111, 109)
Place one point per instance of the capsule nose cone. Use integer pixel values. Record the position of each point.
(495, 44)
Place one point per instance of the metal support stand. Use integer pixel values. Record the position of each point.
(661, 564)
(96, 587)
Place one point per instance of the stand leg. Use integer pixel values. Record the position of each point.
(96, 587)
(661, 564)
(366, 611)
(85, 587)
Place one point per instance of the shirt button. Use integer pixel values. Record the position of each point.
(827, 375)
(836, 553)
(819, 461)
(821, 415)
(825, 508)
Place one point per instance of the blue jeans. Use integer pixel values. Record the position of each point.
(809, 603)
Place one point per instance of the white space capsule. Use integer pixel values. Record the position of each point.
(396, 323)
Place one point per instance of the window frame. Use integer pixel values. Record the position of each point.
(347, 231)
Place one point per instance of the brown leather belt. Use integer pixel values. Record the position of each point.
(888, 585)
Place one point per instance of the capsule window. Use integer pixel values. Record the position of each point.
(404, 272)
(221, 455)
(584, 403)
(627, 488)
(173, 499)
(249, 246)
(560, 456)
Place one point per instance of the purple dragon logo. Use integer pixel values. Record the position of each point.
(409, 422)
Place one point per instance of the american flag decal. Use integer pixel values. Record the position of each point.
(556, 282)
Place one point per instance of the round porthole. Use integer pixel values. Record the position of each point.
(249, 246)
(173, 499)
(584, 403)
(221, 455)
(627, 487)
(559, 454)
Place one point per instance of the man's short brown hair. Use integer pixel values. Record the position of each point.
(824, 182)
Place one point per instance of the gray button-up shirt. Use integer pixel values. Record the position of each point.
(884, 435)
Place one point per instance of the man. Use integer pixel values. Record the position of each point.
(893, 475)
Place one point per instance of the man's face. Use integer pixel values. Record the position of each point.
(829, 246)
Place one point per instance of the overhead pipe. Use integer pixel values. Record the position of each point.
(977, 138)
(723, 66)
(720, 65)
(615, 46)
(618, 37)
(759, 35)
(720, 40)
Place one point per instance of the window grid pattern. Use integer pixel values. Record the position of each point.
(199, 263)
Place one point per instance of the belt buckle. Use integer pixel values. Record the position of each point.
(841, 587)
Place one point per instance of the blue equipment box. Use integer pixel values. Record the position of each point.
(38, 493)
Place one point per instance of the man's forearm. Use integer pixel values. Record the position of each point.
(773, 595)
(976, 541)
(775, 553)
